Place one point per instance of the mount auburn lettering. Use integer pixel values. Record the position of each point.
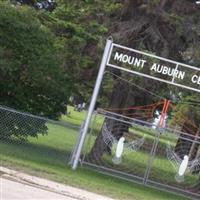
(173, 72)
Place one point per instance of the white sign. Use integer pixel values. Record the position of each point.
(154, 67)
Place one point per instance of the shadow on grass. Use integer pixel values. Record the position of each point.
(36, 153)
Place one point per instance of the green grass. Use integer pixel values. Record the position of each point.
(75, 118)
(136, 162)
(47, 156)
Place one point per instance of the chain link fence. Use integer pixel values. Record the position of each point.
(149, 156)
(39, 144)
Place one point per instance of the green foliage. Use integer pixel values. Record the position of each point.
(32, 77)
(186, 110)
(154, 3)
(44, 56)
(177, 21)
(80, 28)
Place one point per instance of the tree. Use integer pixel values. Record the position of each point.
(80, 28)
(32, 77)
(160, 27)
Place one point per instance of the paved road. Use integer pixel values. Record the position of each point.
(15, 185)
(11, 190)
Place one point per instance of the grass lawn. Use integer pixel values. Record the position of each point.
(47, 156)
(74, 117)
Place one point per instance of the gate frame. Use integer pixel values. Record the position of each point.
(84, 128)
(105, 62)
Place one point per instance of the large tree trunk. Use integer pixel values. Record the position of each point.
(118, 100)
(100, 146)
(123, 95)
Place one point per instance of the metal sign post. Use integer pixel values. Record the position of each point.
(84, 131)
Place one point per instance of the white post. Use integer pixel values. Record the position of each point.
(93, 102)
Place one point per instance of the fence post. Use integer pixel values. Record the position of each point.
(92, 103)
(156, 141)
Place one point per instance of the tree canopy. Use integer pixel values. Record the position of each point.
(32, 77)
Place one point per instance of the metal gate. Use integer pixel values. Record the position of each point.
(122, 144)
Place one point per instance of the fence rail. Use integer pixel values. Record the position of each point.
(154, 162)
(36, 143)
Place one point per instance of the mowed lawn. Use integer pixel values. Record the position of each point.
(48, 156)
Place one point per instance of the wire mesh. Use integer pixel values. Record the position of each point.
(175, 165)
(136, 135)
(148, 156)
(35, 143)
(103, 141)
